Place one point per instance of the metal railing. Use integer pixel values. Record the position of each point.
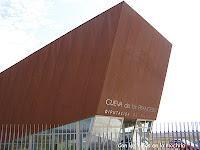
(80, 137)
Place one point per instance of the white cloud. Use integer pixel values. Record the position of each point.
(20, 23)
(25, 14)
(27, 25)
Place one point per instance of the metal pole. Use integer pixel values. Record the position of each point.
(77, 135)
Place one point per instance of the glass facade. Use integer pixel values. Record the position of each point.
(98, 132)
(135, 134)
(104, 132)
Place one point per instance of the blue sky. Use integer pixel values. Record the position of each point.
(27, 25)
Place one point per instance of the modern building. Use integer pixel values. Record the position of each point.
(106, 74)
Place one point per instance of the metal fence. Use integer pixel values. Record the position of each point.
(81, 137)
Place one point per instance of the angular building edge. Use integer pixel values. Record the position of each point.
(46, 92)
(101, 61)
(137, 69)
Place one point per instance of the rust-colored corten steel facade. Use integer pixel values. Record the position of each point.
(114, 64)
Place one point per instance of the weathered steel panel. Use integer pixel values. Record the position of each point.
(136, 71)
(116, 55)
(61, 82)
